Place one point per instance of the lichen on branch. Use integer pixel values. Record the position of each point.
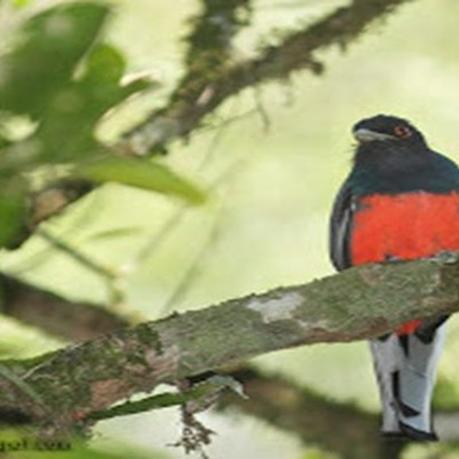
(359, 303)
(204, 87)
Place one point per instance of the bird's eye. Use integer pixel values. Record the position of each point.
(403, 132)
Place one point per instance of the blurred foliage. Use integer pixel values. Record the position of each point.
(17, 340)
(273, 230)
(20, 3)
(432, 451)
(12, 209)
(43, 61)
(63, 80)
(446, 395)
(313, 453)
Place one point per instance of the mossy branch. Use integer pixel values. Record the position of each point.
(203, 89)
(359, 303)
(212, 76)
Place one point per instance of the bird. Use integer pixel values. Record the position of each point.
(399, 202)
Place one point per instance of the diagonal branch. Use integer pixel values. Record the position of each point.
(196, 97)
(212, 77)
(309, 415)
(301, 411)
(210, 41)
(270, 398)
(76, 321)
(357, 304)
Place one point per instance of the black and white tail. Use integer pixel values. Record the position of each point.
(406, 369)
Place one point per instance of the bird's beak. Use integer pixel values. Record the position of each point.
(365, 135)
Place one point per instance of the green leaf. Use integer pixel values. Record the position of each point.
(4, 142)
(142, 174)
(45, 59)
(105, 64)
(38, 78)
(12, 217)
(165, 400)
(66, 132)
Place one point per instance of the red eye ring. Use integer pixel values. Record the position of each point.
(403, 132)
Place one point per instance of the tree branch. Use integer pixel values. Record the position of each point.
(210, 46)
(212, 77)
(309, 415)
(210, 42)
(359, 303)
(76, 321)
(196, 97)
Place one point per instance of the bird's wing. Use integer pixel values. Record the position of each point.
(340, 227)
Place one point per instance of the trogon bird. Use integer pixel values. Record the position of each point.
(399, 202)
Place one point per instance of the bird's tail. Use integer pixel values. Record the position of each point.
(406, 368)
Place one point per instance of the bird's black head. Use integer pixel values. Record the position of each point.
(396, 132)
(393, 157)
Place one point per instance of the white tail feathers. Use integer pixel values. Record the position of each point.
(406, 369)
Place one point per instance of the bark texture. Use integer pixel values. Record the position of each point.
(65, 386)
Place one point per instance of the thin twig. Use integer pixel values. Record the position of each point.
(77, 255)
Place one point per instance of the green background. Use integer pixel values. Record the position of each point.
(266, 222)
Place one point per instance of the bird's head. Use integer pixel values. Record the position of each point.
(387, 129)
